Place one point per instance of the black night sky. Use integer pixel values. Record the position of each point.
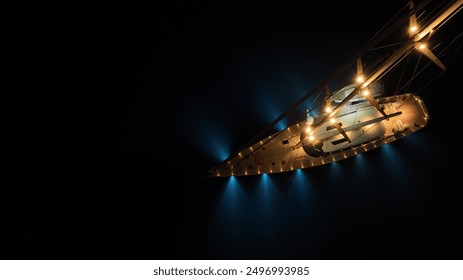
(191, 81)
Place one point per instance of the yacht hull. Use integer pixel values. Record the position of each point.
(364, 126)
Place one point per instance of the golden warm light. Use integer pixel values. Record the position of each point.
(338, 117)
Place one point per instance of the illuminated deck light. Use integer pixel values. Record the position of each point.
(413, 28)
(332, 120)
(422, 46)
(311, 138)
(365, 92)
(328, 109)
(308, 129)
(360, 79)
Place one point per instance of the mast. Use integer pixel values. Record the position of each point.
(415, 42)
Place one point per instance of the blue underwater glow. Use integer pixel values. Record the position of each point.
(273, 97)
(231, 205)
(302, 192)
(214, 140)
(241, 213)
(361, 167)
(300, 180)
(266, 195)
(261, 209)
(271, 111)
(335, 171)
(393, 162)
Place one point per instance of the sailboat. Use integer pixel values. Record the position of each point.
(357, 117)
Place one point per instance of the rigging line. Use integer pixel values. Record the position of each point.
(418, 62)
(412, 78)
(292, 108)
(407, 87)
(437, 76)
(426, 17)
(370, 43)
(395, 24)
(387, 29)
(297, 104)
(448, 18)
(400, 21)
(419, 59)
(319, 94)
(402, 74)
(430, 62)
(394, 65)
(386, 46)
(458, 48)
(264, 142)
(433, 12)
(279, 132)
(414, 71)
